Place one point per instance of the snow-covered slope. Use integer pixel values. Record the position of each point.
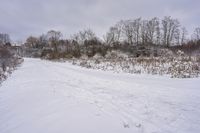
(50, 97)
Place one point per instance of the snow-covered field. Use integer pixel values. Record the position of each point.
(52, 97)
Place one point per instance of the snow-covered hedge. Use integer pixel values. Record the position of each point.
(180, 66)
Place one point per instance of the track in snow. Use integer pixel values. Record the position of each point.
(50, 97)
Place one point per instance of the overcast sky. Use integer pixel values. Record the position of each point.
(22, 18)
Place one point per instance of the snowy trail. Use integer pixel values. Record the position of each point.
(51, 97)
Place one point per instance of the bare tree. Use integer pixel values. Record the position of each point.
(131, 30)
(54, 37)
(158, 34)
(109, 38)
(84, 35)
(128, 31)
(4, 38)
(87, 34)
(114, 34)
(31, 42)
(43, 41)
(152, 30)
(183, 35)
(170, 28)
(144, 32)
(137, 26)
(196, 34)
(118, 31)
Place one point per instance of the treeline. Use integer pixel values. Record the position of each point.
(167, 32)
(125, 35)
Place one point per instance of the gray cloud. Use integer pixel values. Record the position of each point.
(21, 18)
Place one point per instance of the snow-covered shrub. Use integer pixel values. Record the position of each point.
(97, 56)
(184, 67)
(180, 66)
(84, 57)
(85, 64)
(111, 55)
(165, 53)
(8, 62)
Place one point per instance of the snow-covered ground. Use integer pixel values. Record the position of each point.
(52, 97)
